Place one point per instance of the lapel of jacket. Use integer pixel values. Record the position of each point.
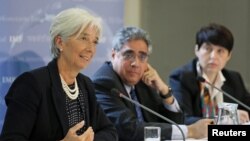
(58, 97)
(148, 98)
(130, 105)
(225, 87)
(194, 87)
(140, 96)
(121, 88)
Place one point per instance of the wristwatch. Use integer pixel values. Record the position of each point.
(169, 94)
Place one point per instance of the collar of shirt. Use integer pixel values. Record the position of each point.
(128, 89)
(220, 79)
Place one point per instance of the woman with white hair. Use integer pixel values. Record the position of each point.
(57, 102)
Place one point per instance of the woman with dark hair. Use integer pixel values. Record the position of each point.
(213, 49)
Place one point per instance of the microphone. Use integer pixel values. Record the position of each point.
(116, 92)
(201, 79)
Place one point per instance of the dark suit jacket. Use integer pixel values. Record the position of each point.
(36, 108)
(122, 112)
(186, 89)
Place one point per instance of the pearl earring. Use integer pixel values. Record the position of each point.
(60, 49)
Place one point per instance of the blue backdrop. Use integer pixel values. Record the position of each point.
(24, 35)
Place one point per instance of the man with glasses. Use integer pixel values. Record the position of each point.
(129, 72)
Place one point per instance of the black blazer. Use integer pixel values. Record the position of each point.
(122, 112)
(186, 89)
(36, 108)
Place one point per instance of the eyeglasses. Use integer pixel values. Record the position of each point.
(131, 56)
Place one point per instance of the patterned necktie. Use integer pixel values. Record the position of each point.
(137, 108)
(209, 106)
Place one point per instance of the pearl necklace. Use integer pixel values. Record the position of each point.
(71, 93)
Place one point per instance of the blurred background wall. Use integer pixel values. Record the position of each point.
(172, 25)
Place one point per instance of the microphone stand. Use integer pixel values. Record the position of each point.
(153, 112)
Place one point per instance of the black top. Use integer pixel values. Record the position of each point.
(36, 108)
